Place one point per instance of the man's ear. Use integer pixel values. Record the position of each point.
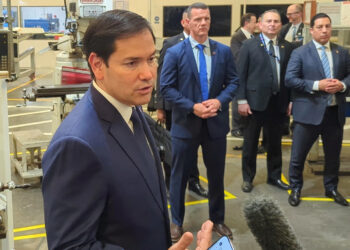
(97, 65)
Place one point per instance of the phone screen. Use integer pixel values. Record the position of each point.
(223, 243)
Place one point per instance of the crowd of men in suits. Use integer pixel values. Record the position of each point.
(270, 82)
(89, 166)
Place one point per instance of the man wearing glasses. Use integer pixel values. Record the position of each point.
(293, 31)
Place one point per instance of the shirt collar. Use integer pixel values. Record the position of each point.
(185, 35)
(296, 25)
(124, 110)
(194, 43)
(318, 45)
(246, 33)
(267, 40)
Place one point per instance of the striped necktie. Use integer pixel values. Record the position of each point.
(327, 70)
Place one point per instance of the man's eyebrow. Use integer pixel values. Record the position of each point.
(137, 58)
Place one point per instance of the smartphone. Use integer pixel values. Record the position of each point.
(223, 243)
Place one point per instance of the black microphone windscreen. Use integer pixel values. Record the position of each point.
(269, 225)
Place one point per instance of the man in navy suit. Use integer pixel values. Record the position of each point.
(164, 108)
(263, 98)
(319, 74)
(198, 79)
(103, 186)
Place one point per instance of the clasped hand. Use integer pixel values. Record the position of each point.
(330, 86)
(207, 109)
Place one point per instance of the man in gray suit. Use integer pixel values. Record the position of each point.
(248, 24)
(164, 109)
(319, 74)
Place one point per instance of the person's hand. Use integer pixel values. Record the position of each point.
(289, 109)
(203, 238)
(244, 109)
(161, 116)
(334, 86)
(202, 111)
(322, 84)
(214, 104)
(184, 242)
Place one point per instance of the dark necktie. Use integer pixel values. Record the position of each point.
(144, 149)
(203, 76)
(272, 56)
(294, 32)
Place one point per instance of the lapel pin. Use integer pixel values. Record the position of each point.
(262, 45)
(337, 51)
(181, 39)
(214, 53)
(282, 46)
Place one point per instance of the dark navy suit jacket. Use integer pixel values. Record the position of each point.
(180, 85)
(97, 191)
(303, 69)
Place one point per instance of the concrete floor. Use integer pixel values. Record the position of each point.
(319, 223)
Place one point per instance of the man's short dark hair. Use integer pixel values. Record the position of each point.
(318, 16)
(270, 11)
(110, 26)
(246, 18)
(198, 5)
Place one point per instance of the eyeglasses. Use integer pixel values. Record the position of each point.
(294, 13)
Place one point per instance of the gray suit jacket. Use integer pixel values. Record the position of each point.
(236, 43)
(304, 68)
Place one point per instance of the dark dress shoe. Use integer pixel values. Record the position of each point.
(222, 230)
(338, 198)
(175, 232)
(294, 197)
(238, 147)
(196, 187)
(237, 133)
(261, 149)
(247, 186)
(278, 183)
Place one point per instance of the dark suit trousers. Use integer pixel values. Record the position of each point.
(238, 121)
(194, 175)
(184, 158)
(271, 120)
(304, 136)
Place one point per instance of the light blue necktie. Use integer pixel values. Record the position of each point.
(326, 69)
(203, 76)
(325, 62)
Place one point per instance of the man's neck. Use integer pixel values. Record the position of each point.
(250, 32)
(271, 37)
(200, 39)
(296, 23)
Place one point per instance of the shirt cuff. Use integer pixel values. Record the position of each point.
(243, 101)
(344, 87)
(315, 86)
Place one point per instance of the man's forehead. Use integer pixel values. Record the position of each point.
(271, 16)
(322, 21)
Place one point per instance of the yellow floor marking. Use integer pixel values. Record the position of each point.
(26, 83)
(21, 229)
(32, 236)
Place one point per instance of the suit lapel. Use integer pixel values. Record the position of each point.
(335, 57)
(282, 51)
(214, 55)
(316, 58)
(190, 58)
(122, 134)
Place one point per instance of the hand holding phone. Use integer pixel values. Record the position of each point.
(223, 243)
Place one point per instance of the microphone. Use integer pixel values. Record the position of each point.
(269, 225)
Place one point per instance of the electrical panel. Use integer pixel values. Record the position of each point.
(4, 48)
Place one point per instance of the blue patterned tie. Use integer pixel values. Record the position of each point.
(326, 69)
(325, 62)
(203, 76)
